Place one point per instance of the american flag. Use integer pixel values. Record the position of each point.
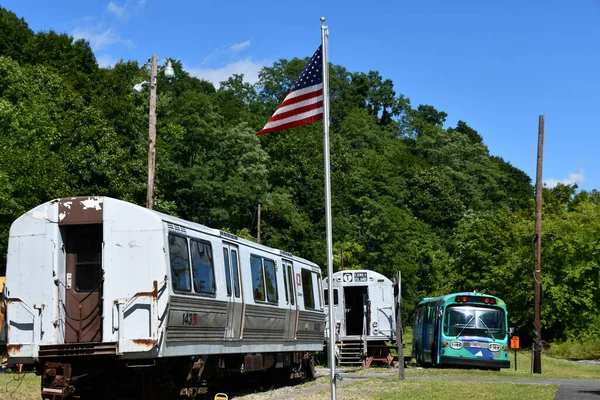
(304, 102)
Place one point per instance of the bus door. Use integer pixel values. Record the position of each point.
(356, 304)
(83, 283)
(235, 298)
(291, 312)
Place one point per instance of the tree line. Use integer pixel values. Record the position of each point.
(408, 193)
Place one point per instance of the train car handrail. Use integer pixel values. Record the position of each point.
(122, 304)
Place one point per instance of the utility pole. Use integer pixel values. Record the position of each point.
(258, 226)
(152, 134)
(399, 330)
(536, 366)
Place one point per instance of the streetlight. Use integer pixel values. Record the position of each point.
(137, 89)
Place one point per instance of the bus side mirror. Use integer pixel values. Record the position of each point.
(511, 331)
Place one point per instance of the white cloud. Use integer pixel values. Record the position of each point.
(248, 67)
(106, 61)
(100, 38)
(573, 178)
(239, 46)
(115, 9)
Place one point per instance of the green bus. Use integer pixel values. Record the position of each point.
(461, 330)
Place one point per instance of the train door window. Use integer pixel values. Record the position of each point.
(227, 270)
(180, 263)
(326, 297)
(307, 289)
(291, 283)
(202, 267)
(285, 285)
(236, 273)
(88, 268)
(258, 288)
(320, 284)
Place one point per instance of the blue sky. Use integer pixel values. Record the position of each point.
(495, 65)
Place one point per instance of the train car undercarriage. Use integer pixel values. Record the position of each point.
(108, 377)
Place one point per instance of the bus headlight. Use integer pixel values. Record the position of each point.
(456, 344)
(494, 347)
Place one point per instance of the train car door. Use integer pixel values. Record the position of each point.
(291, 312)
(83, 283)
(356, 301)
(235, 299)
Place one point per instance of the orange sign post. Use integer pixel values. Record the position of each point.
(514, 344)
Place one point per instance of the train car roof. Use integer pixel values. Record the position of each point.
(169, 219)
(374, 274)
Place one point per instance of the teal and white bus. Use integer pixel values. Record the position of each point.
(461, 330)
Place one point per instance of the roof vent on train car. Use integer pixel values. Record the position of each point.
(229, 235)
(286, 254)
(176, 228)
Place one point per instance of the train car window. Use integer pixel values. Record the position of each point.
(180, 263)
(236, 273)
(227, 271)
(202, 267)
(291, 283)
(307, 289)
(258, 284)
(326, 297)
(271, 281)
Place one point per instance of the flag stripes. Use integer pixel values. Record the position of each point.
(304, 102)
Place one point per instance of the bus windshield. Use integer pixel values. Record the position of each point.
(474, 321)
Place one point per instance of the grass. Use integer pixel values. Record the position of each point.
(587, 347)
(381, 383)
(552, 368)
(25, 386)
(387, 389)
(379, 389)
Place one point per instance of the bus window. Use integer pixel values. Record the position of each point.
(464, 320)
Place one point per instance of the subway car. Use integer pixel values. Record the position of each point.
(112, 300)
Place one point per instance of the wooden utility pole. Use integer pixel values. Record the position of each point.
(399, 330)
(258, 226)
(536, 366)
(152, 134)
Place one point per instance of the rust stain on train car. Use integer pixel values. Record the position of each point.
(13, 349)
(153, 293)
(80, 210)
(150, 343)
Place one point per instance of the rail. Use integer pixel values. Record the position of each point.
(123, 308)
(36, 311)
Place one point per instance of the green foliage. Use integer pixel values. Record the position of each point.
(585, 347)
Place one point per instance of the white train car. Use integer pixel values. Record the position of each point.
(364, 315)
(109, 300)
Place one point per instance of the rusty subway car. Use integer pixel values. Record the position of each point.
(110, 300)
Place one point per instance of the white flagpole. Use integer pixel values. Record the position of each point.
(331, 346)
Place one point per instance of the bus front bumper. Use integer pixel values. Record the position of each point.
(473, 362)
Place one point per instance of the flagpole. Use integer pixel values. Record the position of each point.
(331, 347)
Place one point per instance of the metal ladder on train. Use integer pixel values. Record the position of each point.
(352, 353)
